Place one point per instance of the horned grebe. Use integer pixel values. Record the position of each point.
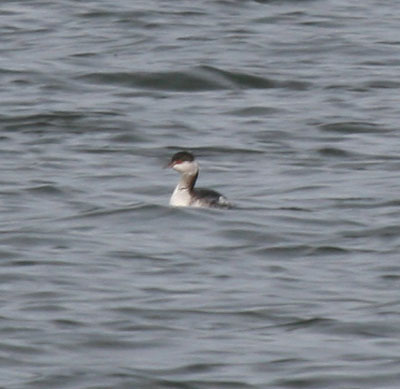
(185, 195)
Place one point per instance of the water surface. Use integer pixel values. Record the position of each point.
(291, 108)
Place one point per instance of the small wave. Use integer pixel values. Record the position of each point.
(383, 84)
(45, 189)
(254, 111)
(315, 322)
(203, 78)
(333, 152)
(101, 212)
(351, 127)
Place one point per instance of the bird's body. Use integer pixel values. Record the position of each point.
(185, 194)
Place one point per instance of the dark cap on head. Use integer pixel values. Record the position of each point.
(182, 156)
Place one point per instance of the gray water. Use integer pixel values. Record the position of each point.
(292, 109)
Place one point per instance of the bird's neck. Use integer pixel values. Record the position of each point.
(188, 180)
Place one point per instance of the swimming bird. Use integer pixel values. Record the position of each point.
(185, 194)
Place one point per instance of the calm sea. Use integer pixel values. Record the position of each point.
(292, 109)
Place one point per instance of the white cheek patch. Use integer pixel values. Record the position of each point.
(186, 167)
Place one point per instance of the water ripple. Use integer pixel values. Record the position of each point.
(290, 108)
(196, 80)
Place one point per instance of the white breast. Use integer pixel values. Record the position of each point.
(180, 198)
